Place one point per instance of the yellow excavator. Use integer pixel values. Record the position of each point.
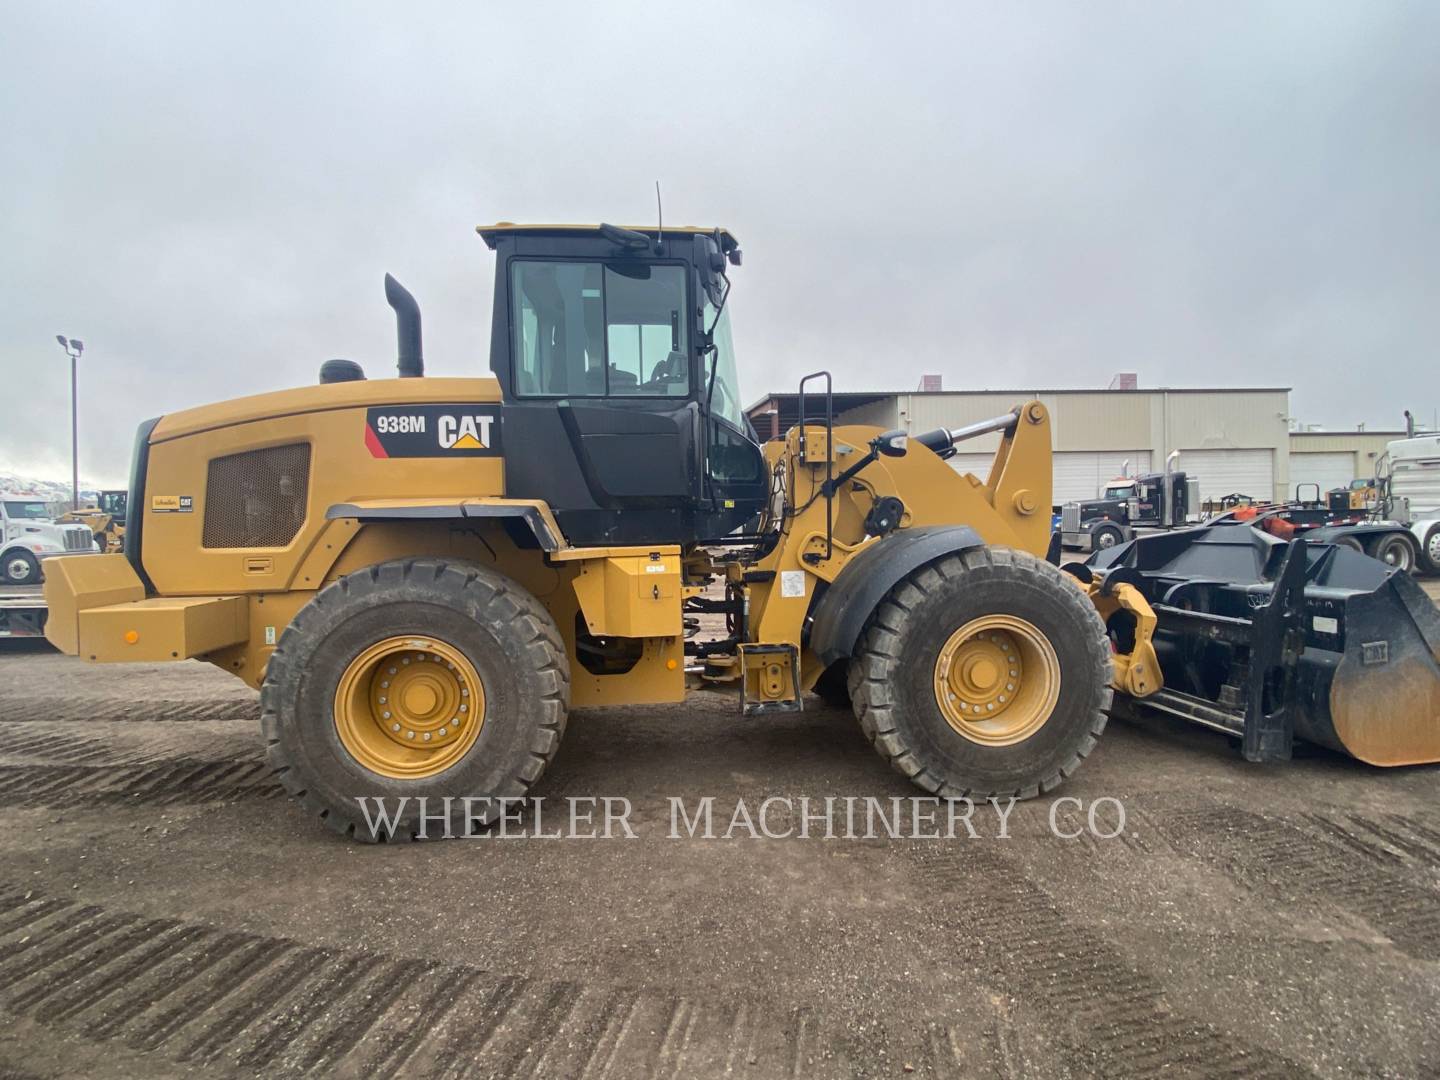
(423, 575)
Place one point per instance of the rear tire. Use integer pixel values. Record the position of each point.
(21, 568)
(1349, 542)
(1396, 550)
(895, 679)
(1429, 557)
(318, 689)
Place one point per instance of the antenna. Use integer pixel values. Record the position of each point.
(660, 227)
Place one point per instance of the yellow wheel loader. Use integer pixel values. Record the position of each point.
(424, 575)
(106, 519)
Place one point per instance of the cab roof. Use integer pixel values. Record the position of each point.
(509, 228)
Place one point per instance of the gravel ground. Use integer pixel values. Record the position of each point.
(165, 910)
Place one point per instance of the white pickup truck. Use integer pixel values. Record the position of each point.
(1410, 474)
(28, 536)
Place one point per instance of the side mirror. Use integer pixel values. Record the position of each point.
(891, 443)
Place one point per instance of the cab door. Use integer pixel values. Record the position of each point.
(602, 412)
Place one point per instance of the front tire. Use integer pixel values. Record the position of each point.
(370, 693)
(983, 674)
(1106, 536)
(21, 568)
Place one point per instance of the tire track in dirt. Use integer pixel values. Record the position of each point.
(1327, 863)
(1388, 839)
(95, 708)
(1113, 1018)
(26, 741)
(203, 996)
(174, 782)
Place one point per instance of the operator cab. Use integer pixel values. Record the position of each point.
(613, 352)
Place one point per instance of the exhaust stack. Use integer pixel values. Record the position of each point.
(411, 362)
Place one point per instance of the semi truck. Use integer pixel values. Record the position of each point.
(1154, 500)
(1409, 473)
(29, 536)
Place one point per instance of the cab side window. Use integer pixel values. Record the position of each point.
(559, 346)
(587, 330)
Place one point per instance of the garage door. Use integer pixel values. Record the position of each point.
(977, 465)
(1331, 469)
(1080, 474)
(1226, 472)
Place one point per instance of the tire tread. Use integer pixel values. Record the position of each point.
(879, 650)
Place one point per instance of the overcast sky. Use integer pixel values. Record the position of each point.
(1007, 194)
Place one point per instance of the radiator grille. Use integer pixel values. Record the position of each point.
(79, 539)
(1070, 517)
(257, 499)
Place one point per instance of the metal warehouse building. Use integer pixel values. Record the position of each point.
(1233, 440)
(1332, 459)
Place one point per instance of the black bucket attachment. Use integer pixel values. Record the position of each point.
(1269, 641)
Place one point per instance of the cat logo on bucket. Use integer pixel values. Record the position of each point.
(433, 431)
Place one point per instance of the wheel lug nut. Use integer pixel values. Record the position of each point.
(382, 701)
(394, 727)
(386, 714)
(441, 733)
(392, 671)
(464, 692)
(409, 734)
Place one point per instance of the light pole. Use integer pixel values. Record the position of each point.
(73, 348)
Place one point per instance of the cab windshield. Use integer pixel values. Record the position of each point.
(1118, 491)
(31, 511)
(725, 397)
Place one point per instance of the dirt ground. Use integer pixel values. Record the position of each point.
(165, 910)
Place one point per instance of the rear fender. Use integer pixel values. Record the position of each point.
(841, 612)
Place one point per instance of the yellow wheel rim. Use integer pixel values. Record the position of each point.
(997, 679)
(409, 707)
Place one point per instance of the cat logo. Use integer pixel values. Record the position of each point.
(464, 432)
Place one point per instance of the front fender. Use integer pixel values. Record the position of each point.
(841, 612)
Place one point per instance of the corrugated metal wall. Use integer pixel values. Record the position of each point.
(882, 414)
(1119, 421)
(1366, 446)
